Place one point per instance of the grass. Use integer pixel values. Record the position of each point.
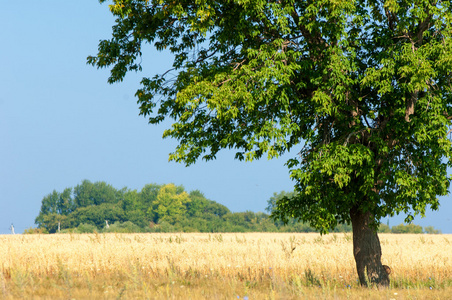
(216, 266)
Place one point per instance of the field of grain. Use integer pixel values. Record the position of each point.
(216, 266)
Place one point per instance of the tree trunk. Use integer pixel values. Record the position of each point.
(367, 251)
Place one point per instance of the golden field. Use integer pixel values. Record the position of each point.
(217, 266)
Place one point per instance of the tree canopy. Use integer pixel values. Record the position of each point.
(360, 88)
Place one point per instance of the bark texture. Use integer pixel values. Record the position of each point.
(367, 250)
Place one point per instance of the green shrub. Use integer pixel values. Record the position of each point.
(124, 227)
(409, 228)
(86, 228)
(32, 230)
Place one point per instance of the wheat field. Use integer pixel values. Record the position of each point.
(217, 266)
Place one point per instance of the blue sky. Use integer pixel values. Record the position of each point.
(61, 122)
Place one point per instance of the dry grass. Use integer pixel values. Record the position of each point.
(216, 266)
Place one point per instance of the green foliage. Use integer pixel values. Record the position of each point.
(97, 214)
(272, 202)
(86, 228)
(32, 230)
(165, 227)
(49, 222)
(167, 208)
(363, 88)
(56, 203)
(159, 208)
(409, 228)
(125, 227)
(88, 193)
(137, 217)
(431, 230)
(384, 228)
(170, 204)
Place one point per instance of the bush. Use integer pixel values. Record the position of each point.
(86, 228)
(431, 230)
(410, 228)
(384, 228)
(32, 230)
(125, 227)
(165, 227)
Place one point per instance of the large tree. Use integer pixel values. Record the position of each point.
(361, 89)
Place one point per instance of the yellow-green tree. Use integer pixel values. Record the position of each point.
(171, 203)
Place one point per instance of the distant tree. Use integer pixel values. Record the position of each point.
(124, 227)
(82, 194)
(272, 202)
(58, 204)
(164, 226)
(97, 214)
(431, 230)
(384, 228)
(343, 228)
(49, 203)
(244, 220)
(266, 224)
(292, 226)
(198, 203)
(216, 208)
(130, 200)
(409, 228)
(65, 204)
(88, 193)
(49, 222)
(147, 197)
(171, 203)
(32, 230)
(86, 228)
(137, 217)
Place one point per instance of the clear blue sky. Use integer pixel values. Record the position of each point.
(60, 122)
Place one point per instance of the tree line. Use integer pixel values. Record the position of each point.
(99, 207)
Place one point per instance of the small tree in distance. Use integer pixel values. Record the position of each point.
(361, 89)
(410, 228)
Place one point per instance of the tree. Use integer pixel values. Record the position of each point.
(97, 214)
(171, 203)
(410, 228)
(271, 203)
(148, 195)
(431, 230)
(361, 89)
(383, 228)
(55, 204)
(216, 209)
(88, 193)
(198, 203)
(52, 222)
